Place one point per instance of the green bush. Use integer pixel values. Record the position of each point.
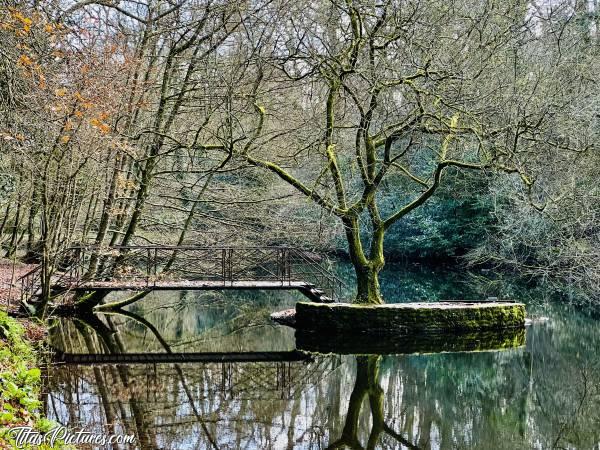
(19, 384)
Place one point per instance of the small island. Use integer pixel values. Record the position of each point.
(404, 317)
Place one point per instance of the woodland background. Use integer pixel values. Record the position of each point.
(128, 122)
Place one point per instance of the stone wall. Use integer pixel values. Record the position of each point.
(409, 317)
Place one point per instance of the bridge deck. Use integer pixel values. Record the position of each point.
(165, 285)
(308, 289)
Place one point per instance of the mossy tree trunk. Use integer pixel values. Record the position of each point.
(367, 268)
(367, 285)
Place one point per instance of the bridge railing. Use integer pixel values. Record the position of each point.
(310, 267)
(149, 265)
(30, 283)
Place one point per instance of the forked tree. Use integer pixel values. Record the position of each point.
(363, 107)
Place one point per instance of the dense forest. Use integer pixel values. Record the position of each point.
(435, 131)
(302, 224)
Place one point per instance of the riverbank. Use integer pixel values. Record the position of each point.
(20, 376)
(21, 383)
(10, 293)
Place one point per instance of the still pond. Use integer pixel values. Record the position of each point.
(540, 395)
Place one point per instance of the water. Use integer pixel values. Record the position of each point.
(544, 394)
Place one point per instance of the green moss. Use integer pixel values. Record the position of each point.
(409, 343)
(423, 317)
(19, 384)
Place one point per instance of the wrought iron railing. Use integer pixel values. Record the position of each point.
(151, 264)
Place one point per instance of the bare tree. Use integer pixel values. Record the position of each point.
(363, 107)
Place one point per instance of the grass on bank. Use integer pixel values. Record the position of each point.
(20, 384)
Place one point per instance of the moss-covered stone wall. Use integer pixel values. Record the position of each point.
(409, 317)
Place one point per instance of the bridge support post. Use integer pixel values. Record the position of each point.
(230, 265)
(227, 265)
(147, 266)
(223, 258)
(286, 266)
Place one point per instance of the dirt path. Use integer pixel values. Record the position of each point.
(9, 286)
(10, 295)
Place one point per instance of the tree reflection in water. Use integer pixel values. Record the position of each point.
(543, 395)
(178, 406)
(367, 385)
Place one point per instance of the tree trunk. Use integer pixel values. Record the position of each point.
(12, 248)
(367, 284)
(105, 218)
(32, 249)
(366, 269)
(4, 220)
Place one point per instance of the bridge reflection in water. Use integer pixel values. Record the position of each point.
(244, 399)
(174, 405)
